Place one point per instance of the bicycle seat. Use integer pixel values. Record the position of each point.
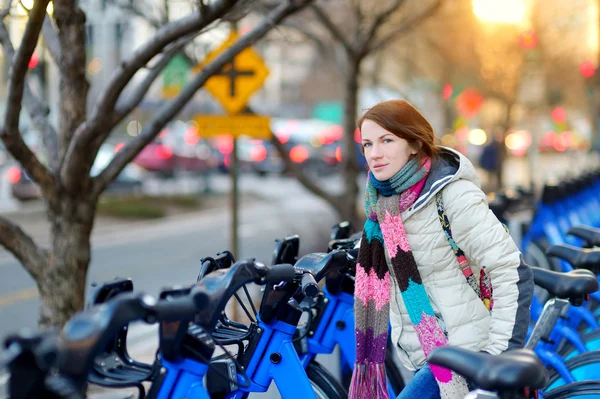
(574, 285)
(579, 258)
(512, 370)
(589, 234)
(321, 264)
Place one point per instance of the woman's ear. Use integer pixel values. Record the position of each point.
(415, 147)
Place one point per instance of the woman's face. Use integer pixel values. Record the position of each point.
(385, 152)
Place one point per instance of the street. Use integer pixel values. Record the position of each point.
(168, 251)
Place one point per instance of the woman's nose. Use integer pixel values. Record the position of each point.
(375, 152)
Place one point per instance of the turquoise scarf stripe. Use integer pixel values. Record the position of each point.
(370, 198)
(372, 230)
(416, 301)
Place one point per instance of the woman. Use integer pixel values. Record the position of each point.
(424, 208)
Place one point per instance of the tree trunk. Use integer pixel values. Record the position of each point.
(503, 150)
(62, 286)
(348, 209)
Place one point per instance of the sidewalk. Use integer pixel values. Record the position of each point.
(31, 216)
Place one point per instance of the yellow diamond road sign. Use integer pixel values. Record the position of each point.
(237, 81)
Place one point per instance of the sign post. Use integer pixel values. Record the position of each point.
(233, 86)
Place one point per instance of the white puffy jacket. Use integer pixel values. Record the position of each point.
(486, 243)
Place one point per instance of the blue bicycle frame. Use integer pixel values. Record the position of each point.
(275, 359)
(184, 379)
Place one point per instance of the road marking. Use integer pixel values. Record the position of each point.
(17, 296)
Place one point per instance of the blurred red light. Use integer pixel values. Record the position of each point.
(225, 144)
(118, 147)
(447, 91)
(559, 115)
(14, 175)
(258, 153)
(357, 136)
(587, 69)
(162, 133)
(163, 152)
(191, 136)
(298, 154)
(283, 136)
(33, 61)
(528, 39)
(338, 154)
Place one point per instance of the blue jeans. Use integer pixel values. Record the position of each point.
(423, 386)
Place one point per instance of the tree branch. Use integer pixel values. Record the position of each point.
(22, 246)
(163, 37)
(92, 132)
(302, 178)
(131, 7)
(124, 107)
(380, 19)
(10, 133)
(38, 110)
(405, 27)
(51, 39)
(322, 47)
(333, 29)
(170, 109)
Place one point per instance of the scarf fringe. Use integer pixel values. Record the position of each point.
(368, 381)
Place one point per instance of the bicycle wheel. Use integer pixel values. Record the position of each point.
(583, 368)
(323, 383)
(591, 340)
(583, 390)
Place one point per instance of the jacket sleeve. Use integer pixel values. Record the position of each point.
(487, 244)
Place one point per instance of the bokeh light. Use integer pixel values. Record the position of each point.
(477, 137)
(505, 11)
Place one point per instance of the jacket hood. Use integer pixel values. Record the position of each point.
(450, 166)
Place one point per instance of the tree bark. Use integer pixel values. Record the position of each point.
(63, 280)
(348, 209)
(73, 86)
(503, 150)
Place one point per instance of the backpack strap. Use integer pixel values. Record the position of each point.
(481, 286)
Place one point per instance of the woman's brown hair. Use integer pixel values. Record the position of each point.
(405, 121)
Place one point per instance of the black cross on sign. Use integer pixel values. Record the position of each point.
(232, 73)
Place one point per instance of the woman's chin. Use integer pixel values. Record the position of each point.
(381, 175)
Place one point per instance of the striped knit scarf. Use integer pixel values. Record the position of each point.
(384, 203)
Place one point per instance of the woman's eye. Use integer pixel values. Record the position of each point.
(387, 140)
(365, 145)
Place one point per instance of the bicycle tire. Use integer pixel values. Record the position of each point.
(324, 384)
(568, 347)
(574, 390)
(579, 360)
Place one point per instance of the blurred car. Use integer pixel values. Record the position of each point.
(128, 181)
(21, 185)
(166, 161)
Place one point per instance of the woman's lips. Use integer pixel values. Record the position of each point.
(379, 167)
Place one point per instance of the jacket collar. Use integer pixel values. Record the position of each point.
(450, 166)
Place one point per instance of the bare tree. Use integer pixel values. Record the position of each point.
(70, 193)
(356, 30)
